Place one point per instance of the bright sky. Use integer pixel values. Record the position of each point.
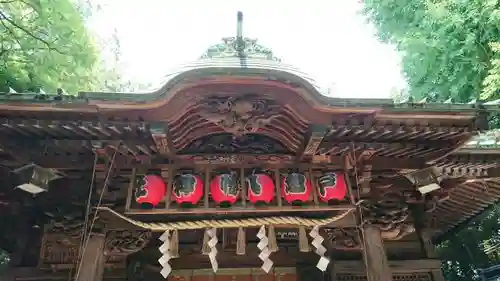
(327, 39)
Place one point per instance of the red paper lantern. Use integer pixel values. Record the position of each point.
(296, 188)
(260, 188)
(188, 189)
(224, 189)
(332, 186)
(150, 190)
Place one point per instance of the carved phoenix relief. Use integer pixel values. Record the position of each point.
(239, 115)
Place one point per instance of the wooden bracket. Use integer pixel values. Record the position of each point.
(313, 140)
(162, 138)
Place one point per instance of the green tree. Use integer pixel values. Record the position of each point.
(447, 46)
(44, 44)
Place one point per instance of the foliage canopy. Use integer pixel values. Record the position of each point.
(448, 47)
(45, 44)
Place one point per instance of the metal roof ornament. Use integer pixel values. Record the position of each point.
(239, 46)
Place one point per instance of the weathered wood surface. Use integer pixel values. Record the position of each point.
(92, 262)
(377, 266)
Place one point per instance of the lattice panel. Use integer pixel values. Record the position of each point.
(398, 277)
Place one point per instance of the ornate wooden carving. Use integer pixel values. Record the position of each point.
(389, 212)
(239, 115)
(227, 143)
(222, 159)
(62, 240)
(418, 276)
(125, 242)
(70, 231)
(344, 238)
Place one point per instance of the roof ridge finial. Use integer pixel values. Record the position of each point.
(240, 43)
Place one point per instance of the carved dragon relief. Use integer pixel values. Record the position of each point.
(126, 242)
(239, 115)
(344, 238)
(389, 212)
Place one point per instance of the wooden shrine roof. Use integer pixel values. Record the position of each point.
(281, 117)
(473, 196)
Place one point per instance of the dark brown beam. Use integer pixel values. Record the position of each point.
(85, 162)
(312, 141)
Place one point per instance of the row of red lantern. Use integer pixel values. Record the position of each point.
(224, 188)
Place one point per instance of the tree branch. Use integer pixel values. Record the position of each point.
(3, 18)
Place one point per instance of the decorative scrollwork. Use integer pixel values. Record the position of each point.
(344, 238)
(226, 143)
(228, 48)
(239, 115)
(389, 212)
(202, 159)
(72, 229)
(125, 242)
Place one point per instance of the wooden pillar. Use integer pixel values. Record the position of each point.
(377, 266)
(426, 239)
(92, 262)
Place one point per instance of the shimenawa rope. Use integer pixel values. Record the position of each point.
(229, 223)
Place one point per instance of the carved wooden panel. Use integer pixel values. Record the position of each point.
(58, 254)
(61, 245)
(395, 277)
(227, 143)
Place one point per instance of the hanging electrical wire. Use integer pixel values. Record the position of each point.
(357, 203)
(86, 214)
(88, 228)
